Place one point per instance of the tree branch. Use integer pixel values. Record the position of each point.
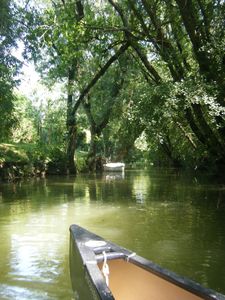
(155, 75)
(100, 73)
(120, 12)
(135, 45)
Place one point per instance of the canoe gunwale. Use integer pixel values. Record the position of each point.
(91, 258)
(80, 236)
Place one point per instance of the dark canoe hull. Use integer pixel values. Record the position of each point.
(131, 276)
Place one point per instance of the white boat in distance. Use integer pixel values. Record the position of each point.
(114, 167)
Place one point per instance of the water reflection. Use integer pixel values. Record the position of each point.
(140, 188)
(172, 219)
(113, 176)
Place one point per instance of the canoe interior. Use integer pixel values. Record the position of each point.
(130, 282)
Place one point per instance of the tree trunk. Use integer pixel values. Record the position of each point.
(91, 159)
(187, 135)
(96, 129)
(191, 24)
(71, 146)
(211, 138)
(203, 131)
(167, 149)
(196, 130)
(71, 123)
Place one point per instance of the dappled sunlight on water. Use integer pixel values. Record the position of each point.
(170, 219)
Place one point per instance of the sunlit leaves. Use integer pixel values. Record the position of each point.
(9, 64)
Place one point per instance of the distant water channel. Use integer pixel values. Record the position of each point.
(175, 220)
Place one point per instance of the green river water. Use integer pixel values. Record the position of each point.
(176, 220)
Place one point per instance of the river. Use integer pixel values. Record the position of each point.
(176, 220)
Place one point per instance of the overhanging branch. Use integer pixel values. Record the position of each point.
(100, 73)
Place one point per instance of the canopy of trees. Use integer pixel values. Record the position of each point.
(128, 69)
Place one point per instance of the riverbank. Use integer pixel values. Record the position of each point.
(32, 160)
(20, 160)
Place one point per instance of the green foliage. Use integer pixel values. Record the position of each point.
(13, 153)
(9, 65)
(170, 80)
(81, 158)
(24, 130)
(53, 127)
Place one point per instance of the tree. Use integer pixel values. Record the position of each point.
(60, 33)
(153, 31)
(9, 65)
(100, 103)
(178, 89)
